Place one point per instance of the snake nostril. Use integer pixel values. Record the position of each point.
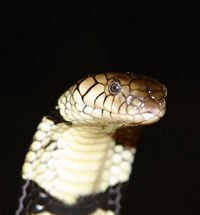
(164, 90)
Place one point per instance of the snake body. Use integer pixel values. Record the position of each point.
(80, 159)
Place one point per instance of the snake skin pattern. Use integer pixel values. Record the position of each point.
(81, 157)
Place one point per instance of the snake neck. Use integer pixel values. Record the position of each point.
(96, 130)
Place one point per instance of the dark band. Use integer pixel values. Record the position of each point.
(38, 200)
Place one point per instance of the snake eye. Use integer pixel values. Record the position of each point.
(114, 87)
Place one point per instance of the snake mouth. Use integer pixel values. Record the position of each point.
(152, 113)
(150, 117)
(148, 111)
(145, 118)
(145, 111)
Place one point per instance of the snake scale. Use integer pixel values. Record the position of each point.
(81, 156)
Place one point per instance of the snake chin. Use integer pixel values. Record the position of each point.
(150, 118)
(142, 119)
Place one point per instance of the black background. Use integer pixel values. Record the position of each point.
(47, 48)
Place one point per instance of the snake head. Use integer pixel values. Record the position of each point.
(119, 98)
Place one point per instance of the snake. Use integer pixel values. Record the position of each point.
(81, 156)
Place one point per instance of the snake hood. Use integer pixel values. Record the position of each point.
(117, 98)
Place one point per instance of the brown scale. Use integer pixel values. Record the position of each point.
(128, 136)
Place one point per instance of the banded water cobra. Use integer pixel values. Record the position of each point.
(81, 157)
